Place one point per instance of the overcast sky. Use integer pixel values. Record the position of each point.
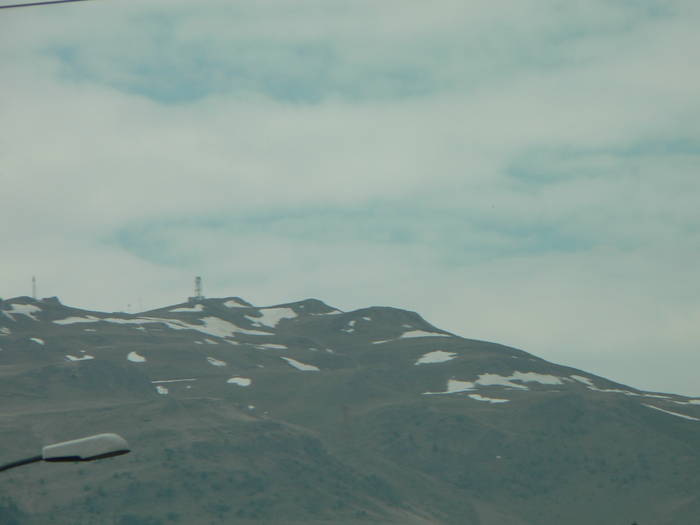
(520, 171)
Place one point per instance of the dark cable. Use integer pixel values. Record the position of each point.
(20, 462)
(40, 3)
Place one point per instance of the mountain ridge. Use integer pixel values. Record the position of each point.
(403, 420)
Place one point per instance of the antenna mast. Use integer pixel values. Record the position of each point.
(198, 288)
(34, 287)
(198, 296)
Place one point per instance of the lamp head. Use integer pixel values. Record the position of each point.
(86, 449)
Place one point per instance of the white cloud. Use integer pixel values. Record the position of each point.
(516, 171)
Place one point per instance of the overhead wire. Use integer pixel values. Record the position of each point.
(40, 3)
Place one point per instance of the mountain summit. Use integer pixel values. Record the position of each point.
(302, 413)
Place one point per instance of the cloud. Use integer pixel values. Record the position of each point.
(523, 172)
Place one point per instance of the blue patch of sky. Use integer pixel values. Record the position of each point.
(165, 67)
(454, 238)
(305, 72)
(546, 166)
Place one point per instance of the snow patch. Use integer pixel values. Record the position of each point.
(161, 390)
(585, 380)
(73, 320)
(534, 377)
(85, 357)
(135, 358)
(37, 341)
(172, 380)
(672, 413)
(498, 380)
(210, 325)
(437, 356)
(215, 362)
(420, 333)
(478, 397)
(211, 342)
(350, 327)
(657, 396)
(219, 328)
(22, 309)
(232, 303)
(301, 366)
(591, 386)
(411, 334)
(272, 316)
(272, 346)
(454, 385)
(240, 381)
(689, 402)
(4, 331)
(195, 308)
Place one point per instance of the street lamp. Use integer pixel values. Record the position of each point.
(88, 448)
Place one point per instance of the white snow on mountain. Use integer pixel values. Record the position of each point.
(591, 386)
(437, 356)
(456, 385)
(420, 333)
(232, 303)
(195, 308)
(479, 397)
(301, 366)
(215, 362)
(585, 380)
(689, 402)
(21, 309)
(210, 325)
(85, 357)
(37, 340)
(534, 377)
(211, 342)
(498, 380)
(410, 334)
(672, 413)
(5, 331)
(135, 358)
(161, 389)
(272, 316)
(73, 320)
(350, 327)
(240, 381)
(272, 346)
(173, 380)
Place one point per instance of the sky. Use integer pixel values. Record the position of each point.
(521, 171)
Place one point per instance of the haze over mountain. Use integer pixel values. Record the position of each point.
(302, 413)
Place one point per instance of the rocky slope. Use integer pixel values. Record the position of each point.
(301, 413)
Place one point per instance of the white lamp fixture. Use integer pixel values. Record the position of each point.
(89, 448)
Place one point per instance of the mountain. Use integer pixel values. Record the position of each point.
(302, 413)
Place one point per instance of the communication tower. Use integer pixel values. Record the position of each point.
(198, 296)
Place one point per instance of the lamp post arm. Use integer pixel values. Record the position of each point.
(21, 462)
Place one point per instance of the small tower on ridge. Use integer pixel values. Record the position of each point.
(198, 296)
